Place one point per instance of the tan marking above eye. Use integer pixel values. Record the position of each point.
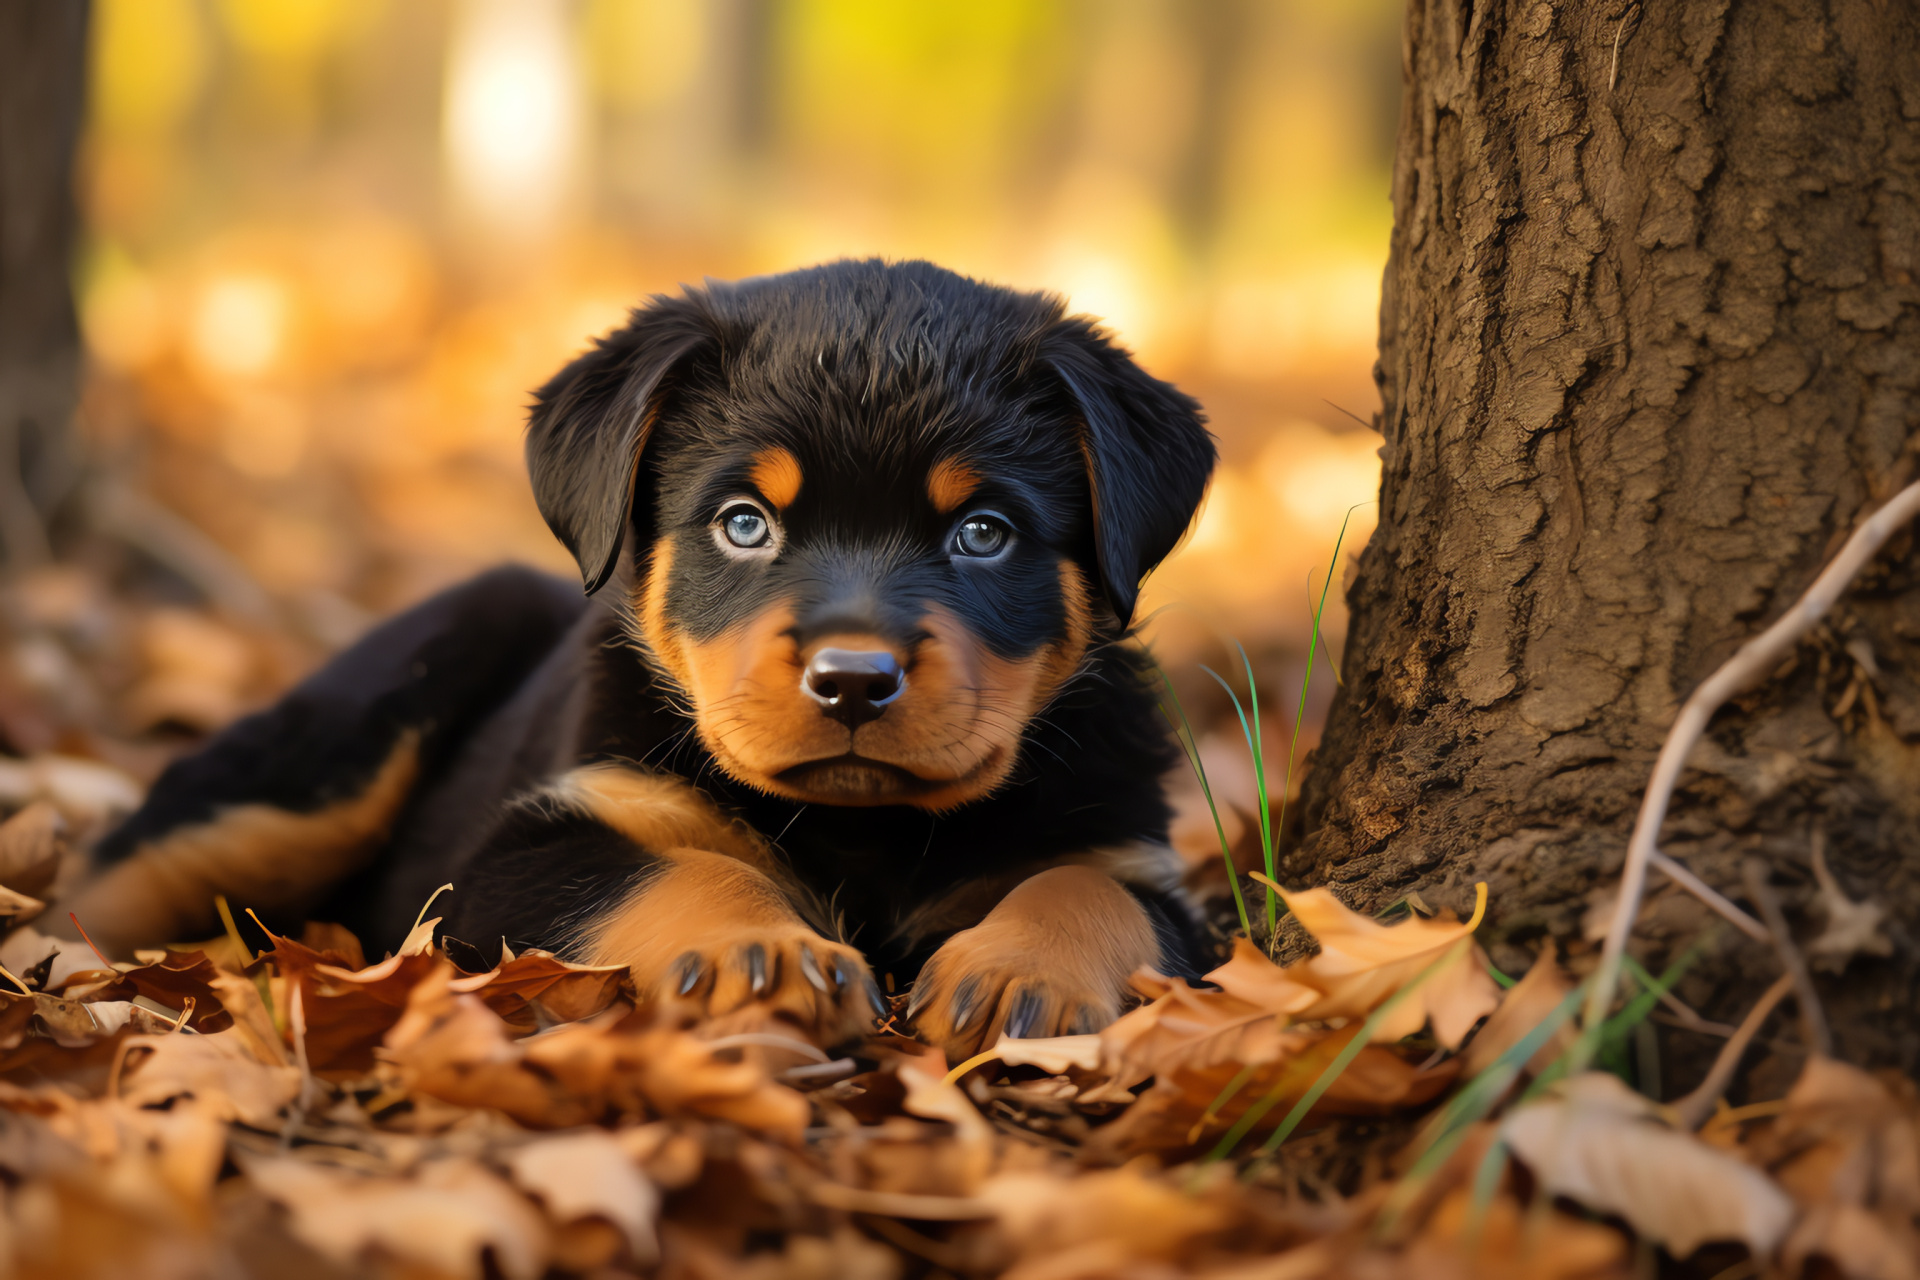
(950, 483)
(776, 474)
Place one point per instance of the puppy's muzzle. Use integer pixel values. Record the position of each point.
(853, 686)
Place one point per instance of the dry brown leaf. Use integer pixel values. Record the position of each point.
(1507, 1242)
(337, 944)
(1186, 1027)
(1522, 1008)
(31, 845)
(1844, 1137)
(451, 1046)
(221, 1071)
(1055, 1055)
(567, 992)
(442, 1218)
(86, 792)
(1861, 1244)
(844, 1255)
(348, 1011)
(170, 979)
(17, 908)
(1361, 963)
(1595, 1141)
(589, 1174)
(1178, 1112)
(250, 1017)
(1118, 1222)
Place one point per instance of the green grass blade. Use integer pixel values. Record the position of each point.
(1252, 735)
(1348, 1052)
(1191, 746)
(1453, 955)
(1260, 781)
(1300, 712)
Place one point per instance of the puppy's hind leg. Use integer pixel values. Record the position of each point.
(285, 803)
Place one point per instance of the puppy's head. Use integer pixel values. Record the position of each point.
(876, 515)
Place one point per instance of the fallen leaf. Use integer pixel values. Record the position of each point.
(1503, 1241)
(589, 1174)
(1187, 1027)
(88, 793)
(1054, 1055)
(1595, 1141)
(220, 1071)
(31, 845)
(567, 992)
(449, 1216)
(1523, 1007)
(1860, 1243)
(17, 908)
(348, 1011)
(1362, 963)
(451, 1046)
(170, 979)
(1190, 1107)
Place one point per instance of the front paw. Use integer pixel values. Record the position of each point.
(980, 985)
(793, 971)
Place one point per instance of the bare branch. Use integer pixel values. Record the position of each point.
(1755, 659)
(1813, 1022)
(1700, 889)
(1692, 1111)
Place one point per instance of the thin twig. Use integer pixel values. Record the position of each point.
(1755, 659)
(1619, 33)
(1700, 889)
(1813, 1023)
(1692, 1111)
(1690, 1018)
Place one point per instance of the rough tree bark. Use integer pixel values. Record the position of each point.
(42, 77)
(1650, 347)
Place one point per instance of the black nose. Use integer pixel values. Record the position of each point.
(853, 685)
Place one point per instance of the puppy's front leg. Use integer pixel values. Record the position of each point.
(707, 927)
(1052, 958)
(611, 864)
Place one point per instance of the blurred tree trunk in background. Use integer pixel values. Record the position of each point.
(42, 79)
(1650, 349)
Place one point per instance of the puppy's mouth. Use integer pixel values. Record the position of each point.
(852, 779)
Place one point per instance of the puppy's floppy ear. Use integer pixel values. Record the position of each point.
(589, 425)
(1148, 453)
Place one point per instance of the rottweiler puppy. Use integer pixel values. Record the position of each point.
(851, 690)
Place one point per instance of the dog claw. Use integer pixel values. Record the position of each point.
(1083, 1022)
(839, 975)
(874, 998)
(688, 966)
(963, 999)
(757, 968)
(810, 966)
(1026, 1011)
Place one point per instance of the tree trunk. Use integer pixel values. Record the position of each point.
(42, 76)
(1650, 349)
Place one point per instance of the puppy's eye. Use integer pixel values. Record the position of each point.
(981, 535)
(744, 526)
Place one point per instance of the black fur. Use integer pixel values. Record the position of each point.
(869, 374)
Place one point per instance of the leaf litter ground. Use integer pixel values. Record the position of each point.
(1383, 1106)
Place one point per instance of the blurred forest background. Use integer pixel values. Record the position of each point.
(329, 246)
